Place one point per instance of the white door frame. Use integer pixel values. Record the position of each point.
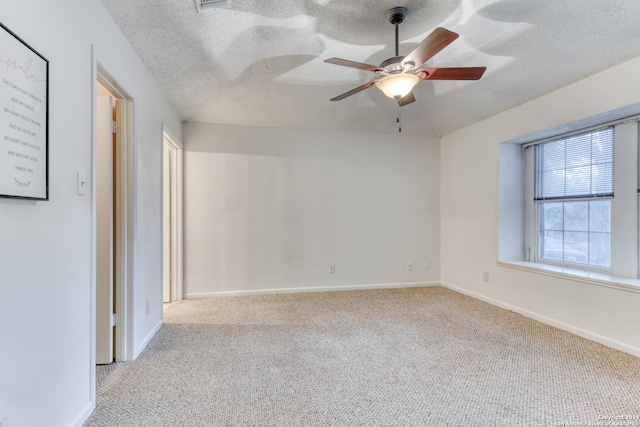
(168, 226)
(123, 304)
(176, 145)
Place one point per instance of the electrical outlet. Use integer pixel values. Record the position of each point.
(485, 276)
(332, 268)
(427, 265)
(409, 266)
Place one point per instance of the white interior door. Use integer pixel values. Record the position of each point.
(104, 230)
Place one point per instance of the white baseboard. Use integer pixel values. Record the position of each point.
(552, 322)
(147, 339)
(84, 414)
(310, 289)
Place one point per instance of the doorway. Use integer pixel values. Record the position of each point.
(113, 220)
(171, 219)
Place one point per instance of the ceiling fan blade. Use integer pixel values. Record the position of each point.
(353, 64)
(460, 73)
(432, 44)
(407, 99)
(354, 91)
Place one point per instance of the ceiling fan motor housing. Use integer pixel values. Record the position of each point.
(393, 65)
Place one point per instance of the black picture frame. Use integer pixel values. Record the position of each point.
(24, 119)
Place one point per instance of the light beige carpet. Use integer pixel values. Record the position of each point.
(401, 357)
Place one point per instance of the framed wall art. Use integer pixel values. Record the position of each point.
(24, 112)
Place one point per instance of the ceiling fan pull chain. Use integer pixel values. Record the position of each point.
(398, 120)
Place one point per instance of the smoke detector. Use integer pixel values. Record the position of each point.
(206, 5)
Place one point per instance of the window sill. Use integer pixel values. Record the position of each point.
(589, 277)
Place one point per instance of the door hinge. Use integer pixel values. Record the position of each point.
(114, 319)
(114, 126)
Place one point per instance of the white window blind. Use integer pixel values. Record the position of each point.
(573, 190)
(577, 166)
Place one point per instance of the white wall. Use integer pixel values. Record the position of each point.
(45, 248)
(270, 209)
(469, 232)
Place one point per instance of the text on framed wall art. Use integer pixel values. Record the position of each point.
(23, 119)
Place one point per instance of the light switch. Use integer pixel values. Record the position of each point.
(82, 184)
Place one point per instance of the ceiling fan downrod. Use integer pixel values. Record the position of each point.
(396, 15)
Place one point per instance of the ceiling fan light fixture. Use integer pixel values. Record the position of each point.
(397, 86)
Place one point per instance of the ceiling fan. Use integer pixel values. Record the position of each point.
(399, 75)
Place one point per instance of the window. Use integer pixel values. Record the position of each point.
(569, 203)
(573, 192)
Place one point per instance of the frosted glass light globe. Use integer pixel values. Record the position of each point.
(397, 85)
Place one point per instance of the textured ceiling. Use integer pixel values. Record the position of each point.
(258, 62)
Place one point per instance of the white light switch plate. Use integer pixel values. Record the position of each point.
(82, 186)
